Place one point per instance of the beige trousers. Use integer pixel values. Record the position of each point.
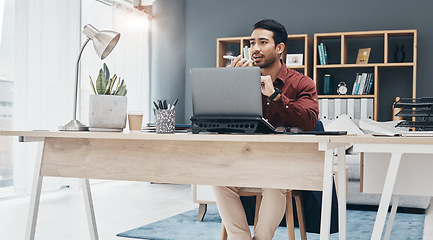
(271, 213)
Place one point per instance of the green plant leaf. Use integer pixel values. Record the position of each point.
(107, 90)
(119, 87)
(113, 80)
(100, 83)
(107, 73)
(122, 91)
(92, 85)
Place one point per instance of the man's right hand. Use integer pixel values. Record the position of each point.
(239, 62)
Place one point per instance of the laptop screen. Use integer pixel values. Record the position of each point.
(226, 92)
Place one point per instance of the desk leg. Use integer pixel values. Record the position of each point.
(341, 192)
(35, 196)
(391, 217)
(88, 203)
(325, 222)
(388, 188)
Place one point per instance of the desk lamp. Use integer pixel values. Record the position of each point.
(104, 42)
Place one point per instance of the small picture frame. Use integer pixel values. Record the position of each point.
(294, 59)
(363, 55)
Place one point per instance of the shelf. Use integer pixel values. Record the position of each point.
(297, 67)
(369, 65)
(346, 96)
(367, 34)
(342, 48)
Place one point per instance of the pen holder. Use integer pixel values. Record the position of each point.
(165, 120)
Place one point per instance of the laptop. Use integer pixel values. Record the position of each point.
(227, 100)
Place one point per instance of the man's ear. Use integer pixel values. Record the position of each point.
(280, 48)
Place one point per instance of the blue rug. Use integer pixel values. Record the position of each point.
(186, 227)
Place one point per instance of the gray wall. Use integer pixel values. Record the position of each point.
(168, 54)
(207, 20)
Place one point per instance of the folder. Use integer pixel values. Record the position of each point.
(320, 109)
(351, 108)
(357, 109)
(343, 106)
(337, 107)
(364, 105)
(325, 109)
(370, 108)
(331, 109)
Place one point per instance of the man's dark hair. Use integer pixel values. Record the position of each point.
(280, 34)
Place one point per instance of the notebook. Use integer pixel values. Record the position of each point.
(229, 96)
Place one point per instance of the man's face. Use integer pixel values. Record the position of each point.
(263, 48)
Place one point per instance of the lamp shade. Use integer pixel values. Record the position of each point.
(103, 41)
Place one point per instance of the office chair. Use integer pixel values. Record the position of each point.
(257, 192)
(296, 194)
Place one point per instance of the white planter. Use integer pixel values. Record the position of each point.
(107, 113)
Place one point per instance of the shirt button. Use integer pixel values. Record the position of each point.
(267, 104)
(287, 106)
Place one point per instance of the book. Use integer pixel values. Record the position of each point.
(367, 82)
(322, 48)
(358, 82)
(319, 49)
(325, 54)
(370, 84)
(362, 81)
(355, 83)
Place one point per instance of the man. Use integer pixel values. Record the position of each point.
(289, 99)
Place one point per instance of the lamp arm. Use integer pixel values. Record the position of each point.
(76, 80)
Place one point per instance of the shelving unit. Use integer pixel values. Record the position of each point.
(347, 48)
(236, 44)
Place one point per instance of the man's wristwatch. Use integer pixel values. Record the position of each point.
(274, 95)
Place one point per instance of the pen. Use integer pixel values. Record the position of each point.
(174, 104)
(156, 105)
(233, 57)
(160, 105)
(164, 104)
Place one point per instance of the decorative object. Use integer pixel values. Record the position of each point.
(363, 55)
(107, 113)
(399, 54)
(328, 85)
(104, 42)
(294, 59)
(108, 107)
(165, 121)
(341, 88)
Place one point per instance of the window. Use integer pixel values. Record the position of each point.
(39, 46)
(7, 9)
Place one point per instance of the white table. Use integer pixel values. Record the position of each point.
(397, 147)
(261, 161)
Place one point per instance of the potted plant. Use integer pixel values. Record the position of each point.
(108, 106)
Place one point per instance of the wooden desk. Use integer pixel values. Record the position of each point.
(397, 147)
(263, 161)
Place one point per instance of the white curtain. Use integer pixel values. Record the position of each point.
(47, 42)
